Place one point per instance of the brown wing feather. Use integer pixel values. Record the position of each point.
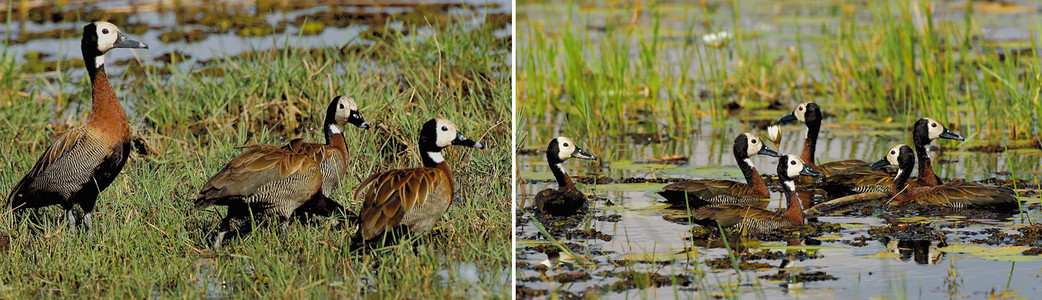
(249, 171)
(731, 215)
(963, 194)
(62, 145)
(317, 152)
(391, 194)
(705, 188)
(842, 167)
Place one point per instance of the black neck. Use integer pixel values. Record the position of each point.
(329, 132)
(920, 140)
(428, 161)
(748, 170)
(903, 174)
(790, 194)
(812, 138)
(93, 70)
(562, 179)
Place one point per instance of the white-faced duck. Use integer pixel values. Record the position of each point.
(83, 161)
(810, 114)
(702, 192)
(566, 199)
(265, 181)
(412, 199)
(758, 219)
(925, 131)
(331, 156)
(957, 194)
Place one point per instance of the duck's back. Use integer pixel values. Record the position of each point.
(739, 216)
(330, 162)
(562, 201)
(701, 192)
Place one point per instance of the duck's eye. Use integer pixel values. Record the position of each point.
(892, 152)
(800, 108)
(792, 162)
(445, 128)
(933, 124)
(341, 106)
(754, 141)
(104, 31)
(565, 144)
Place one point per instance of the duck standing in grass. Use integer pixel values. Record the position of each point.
(412, 199)
(264, 181)
(566, 199)
(958, 194)
(332, 156)
(756, 218)
(702, 192)
(83, 161)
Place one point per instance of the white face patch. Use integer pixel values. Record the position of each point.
(794, 167)
(344, 108)
(934, 128)
(565, 148)
(436, 157)
(446, 133)
(107, 35)
(891, 156)
(801, 112)
(753, 144)
(348, 103)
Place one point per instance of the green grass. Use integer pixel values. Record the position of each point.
(150, 243)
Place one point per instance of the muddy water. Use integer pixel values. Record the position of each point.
(213, 42)
(865, 252)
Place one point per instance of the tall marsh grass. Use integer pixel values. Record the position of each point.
(615, 69)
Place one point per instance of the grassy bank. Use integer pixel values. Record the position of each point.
(150, 243)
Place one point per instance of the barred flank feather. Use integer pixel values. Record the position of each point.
(416, 198)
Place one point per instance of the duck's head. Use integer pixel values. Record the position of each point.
(930, 128)
(562, 148)
(343, 110)
(808, 112)
(748, 145)
(438, 134)
(791, 166)
(902, 156)
(100, 37)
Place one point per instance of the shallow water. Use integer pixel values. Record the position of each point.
(216, 45)
(861, 271)
(873, 252)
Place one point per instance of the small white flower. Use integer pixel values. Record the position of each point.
(774, 133)
(716, 38)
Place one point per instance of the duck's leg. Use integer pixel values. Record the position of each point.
(284, 224)
(222, 231)
(70, 217)
(88, 215)
(88, 221)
